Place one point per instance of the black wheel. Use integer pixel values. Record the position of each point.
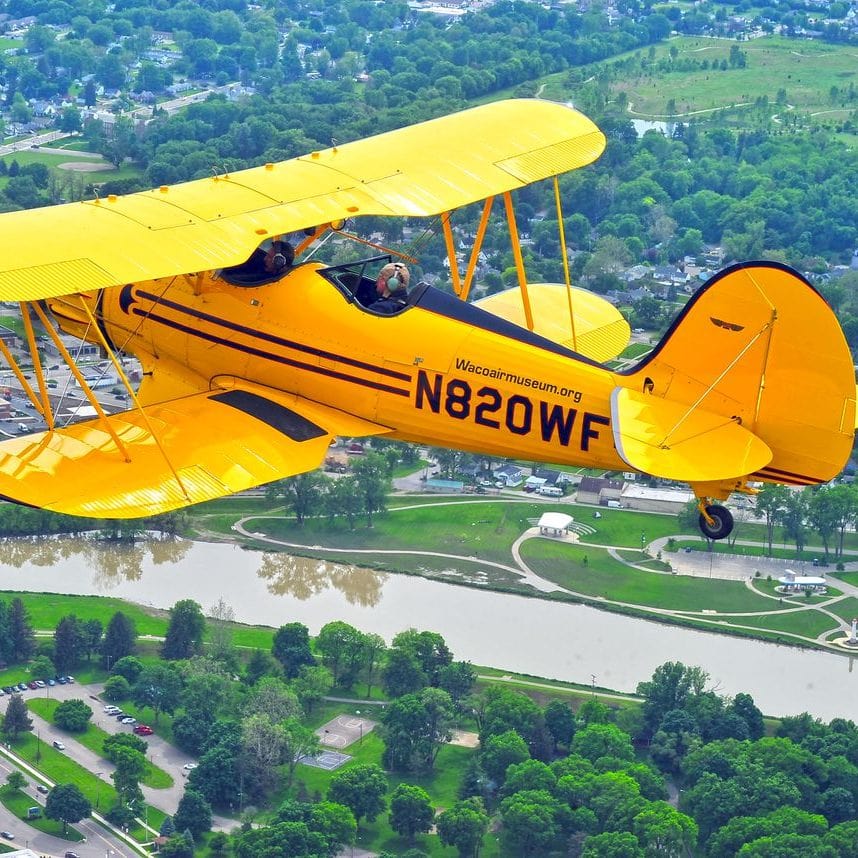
(722, 522)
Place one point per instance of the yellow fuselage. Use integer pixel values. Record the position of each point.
(440, 373)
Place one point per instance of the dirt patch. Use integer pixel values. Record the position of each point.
(86, 166)
(466, 740)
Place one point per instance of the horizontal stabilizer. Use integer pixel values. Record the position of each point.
(181, 452)
(680, 442)
(600, 331)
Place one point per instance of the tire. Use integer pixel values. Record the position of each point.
(722, 525)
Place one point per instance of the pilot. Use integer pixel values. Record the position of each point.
(279, 257)
(391, 288)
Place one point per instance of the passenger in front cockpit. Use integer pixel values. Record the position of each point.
(391, 288)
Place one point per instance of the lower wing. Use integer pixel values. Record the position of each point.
(172, 454)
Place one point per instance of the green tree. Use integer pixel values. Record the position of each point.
(663, 830)
(119, 640)
(16, 720)
(116, 688)
(530, 820)
(184, 636)
(159, 687)
(23, 638)
(41, 667)
(612, 844)
(291, 647)
(130, 667)
(411, 811)
(500, 751)
(303, 493)
(130, 769)
(69, 643)
(560, 722)
(371, 475)
(603, 740)
(341, 649)
(769, 504)
(464, 826)
(67, 804)
(194, 813)
(401, 673)
(311, 686)
(300, 741)
(16, 780)
(72, 715)
(361, 788)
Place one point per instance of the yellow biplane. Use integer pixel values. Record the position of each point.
(248, 375)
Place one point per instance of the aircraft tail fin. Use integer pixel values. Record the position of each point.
(757, 348)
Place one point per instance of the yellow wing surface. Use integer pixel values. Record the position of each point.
(421, 170)
(600, 331)
(249, 439)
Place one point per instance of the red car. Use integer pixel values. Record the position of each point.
(143, 730)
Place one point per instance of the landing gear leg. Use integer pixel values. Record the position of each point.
(716, 521)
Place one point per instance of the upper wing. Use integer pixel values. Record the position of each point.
(249, 439)
(420, 170)
(601, 331)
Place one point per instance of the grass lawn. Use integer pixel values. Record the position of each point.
(476, 529)
(601, 575)
(93, 738)
(18, 802)
(808, 623)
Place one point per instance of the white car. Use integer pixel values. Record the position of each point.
(111, 710)
(189, 766)
(128, 720)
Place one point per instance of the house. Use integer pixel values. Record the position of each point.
(598, 490)
(667, 500)
(511, 476)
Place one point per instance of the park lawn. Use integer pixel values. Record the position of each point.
(809, 624)
(62, 770)
(634, 350)
(93, 738)
(47, 609)
(485, 530)
(18, 802)
(807, 70)
(602, 576)
(846, 609)
(763, 585)
(624, 529)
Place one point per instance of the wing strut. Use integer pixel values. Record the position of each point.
(47, 412)
(478, 246)
(81, 380)
(565, 257)
(121, 374)
(519, 261)
(451, 253)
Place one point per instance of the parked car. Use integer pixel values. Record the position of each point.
(8, 689)
(127, 720)
(69, 679)
(22, 686)
(143, 730)
(52, 682)
(189, 766)
(7, 834)
(32, 686)
(42, 789)
(62, 680)
(59, 745)
(40, 683)
(69, 854)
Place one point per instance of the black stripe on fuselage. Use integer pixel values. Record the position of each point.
(284, 420)
(251, 350)
(788, 477)
(271, 338)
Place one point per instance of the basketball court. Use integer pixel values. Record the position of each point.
(344, 730)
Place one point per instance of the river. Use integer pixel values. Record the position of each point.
(526, 635)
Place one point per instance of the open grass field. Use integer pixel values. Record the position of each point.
(807, 71)
(602, 576)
